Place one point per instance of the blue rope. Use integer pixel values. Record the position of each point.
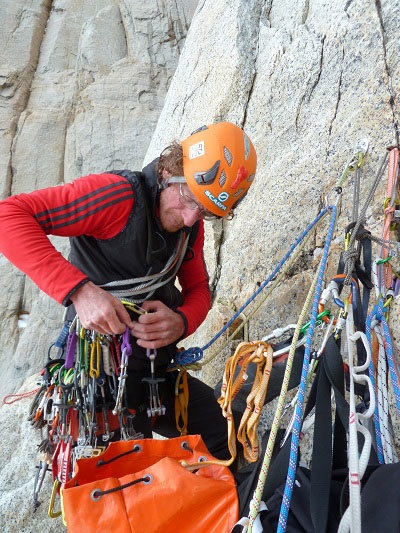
(389, 353)
(195, 354)
(371, 373)
(188, 357)
(379, 313)
(287, 496)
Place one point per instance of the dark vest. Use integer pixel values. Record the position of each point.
(140, 249)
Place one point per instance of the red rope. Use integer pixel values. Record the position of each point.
(7, 399)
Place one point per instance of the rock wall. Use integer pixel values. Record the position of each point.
(307, 80)
(82, 84)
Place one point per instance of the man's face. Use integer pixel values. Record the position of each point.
(179, 208)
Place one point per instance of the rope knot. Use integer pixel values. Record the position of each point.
(350, 255)
(389, 210)
(189, 356)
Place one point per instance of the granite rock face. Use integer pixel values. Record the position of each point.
(81, 88)
(88, 86)
(309, 83)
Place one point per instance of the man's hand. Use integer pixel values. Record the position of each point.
(99, 310)
(159, 327)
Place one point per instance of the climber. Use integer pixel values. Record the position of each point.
(131, 235)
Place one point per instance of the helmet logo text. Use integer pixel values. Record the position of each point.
(217, 201)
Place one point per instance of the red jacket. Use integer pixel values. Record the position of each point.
(84, 207)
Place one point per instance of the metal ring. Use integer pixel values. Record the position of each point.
(185, 446)
(95, 497)
(148, 478)
(202, 459)
(137, 448)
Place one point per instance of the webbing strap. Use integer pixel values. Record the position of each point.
(365, 275)
(330, 376)
(277, 471)
(322, 454)
(279, 466)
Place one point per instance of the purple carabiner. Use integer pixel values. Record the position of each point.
(126, 345)
(71, 350)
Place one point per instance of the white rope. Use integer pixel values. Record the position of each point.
(351, 520)
(388, 446)
(309, 421)
(147, 285)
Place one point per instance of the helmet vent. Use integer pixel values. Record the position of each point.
(222, 178)
(251, 178)
(238, 193)
(228, 156)
(246, 146)
(202, 128)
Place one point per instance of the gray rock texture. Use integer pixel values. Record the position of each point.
(81, 87)
(308, 82)
(88, 86)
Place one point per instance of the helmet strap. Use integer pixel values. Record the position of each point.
(163, 183)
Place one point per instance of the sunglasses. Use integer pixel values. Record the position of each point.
(189, 202)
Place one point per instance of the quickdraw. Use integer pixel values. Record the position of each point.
(81, 402)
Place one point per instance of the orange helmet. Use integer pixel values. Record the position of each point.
(219, 165)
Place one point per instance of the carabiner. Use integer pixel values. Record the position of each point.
(51, 513)
(95, 357)
(133, 306)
